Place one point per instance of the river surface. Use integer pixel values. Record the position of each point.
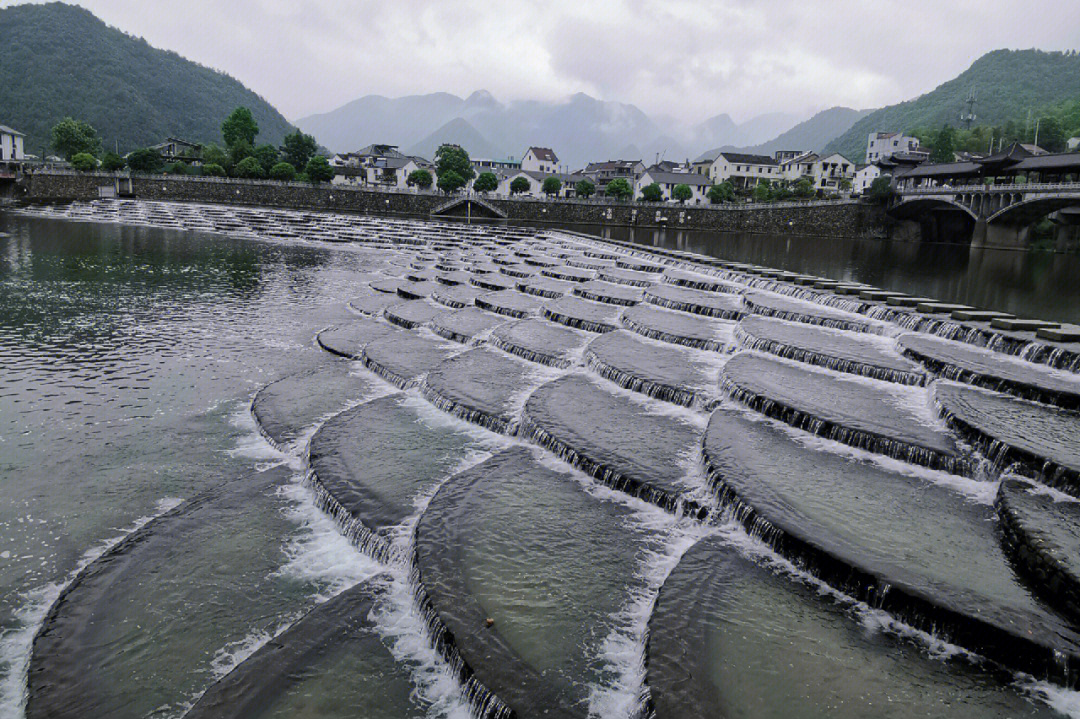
(129, 360)
(1037, 284)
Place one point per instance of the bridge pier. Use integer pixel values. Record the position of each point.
(1006, 236)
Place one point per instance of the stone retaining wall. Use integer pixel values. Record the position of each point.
(836, 220)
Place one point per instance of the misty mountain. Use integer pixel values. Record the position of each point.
(810, 135)
(764, 127)
(580, 129)
(458, 132)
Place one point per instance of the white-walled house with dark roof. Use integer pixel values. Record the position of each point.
(11, 144)
(540, 159)
(698, 184)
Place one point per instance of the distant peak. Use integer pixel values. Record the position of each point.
(480, 96)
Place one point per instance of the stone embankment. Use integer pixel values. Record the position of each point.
(835, 219)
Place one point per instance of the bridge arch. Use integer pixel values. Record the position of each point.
(912, 207)
(1027, 210)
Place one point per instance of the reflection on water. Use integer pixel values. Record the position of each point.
(1042, 285)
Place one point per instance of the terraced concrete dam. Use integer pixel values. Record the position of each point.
(453, 470)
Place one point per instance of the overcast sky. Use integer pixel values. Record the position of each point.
(689, 60)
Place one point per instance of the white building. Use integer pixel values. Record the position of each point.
(667, 181)
(11, 144)
(743, 170)
(881, 145)
(826, 173)
(1072, 144)
(864, 177)
(540, 159)
(536, 183)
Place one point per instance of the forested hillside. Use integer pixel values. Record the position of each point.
(1006, 83)
(58, 60)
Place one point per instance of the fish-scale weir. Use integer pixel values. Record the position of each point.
(910, 547)
(665, 372)
(863, 413)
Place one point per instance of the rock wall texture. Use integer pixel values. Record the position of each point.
(838, 220)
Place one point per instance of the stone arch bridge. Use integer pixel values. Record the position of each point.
(991, 215)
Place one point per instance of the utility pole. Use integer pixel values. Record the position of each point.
(1036, 142)
(967, 118)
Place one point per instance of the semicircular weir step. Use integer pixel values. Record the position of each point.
(730, 638)
(373, 305)
(796, 310)
(161, 587)
(626, 276)
(608, 292)
(680, 328)
(510, 303)
(698, 302)
(540, 341)
(1042, 535)
(982, 367)
(412, 313)
(326, 664)
(698, 281)
(664, 371)
(582, 314)
(285, 408)
(468, 325)
(457, 296)
(371, 462)
(484, 386)
(546, 287)
(615, 439)
(914, 548)
(1043, 438)
(854, 353)
(404, 358)
(526, 571)
(869, 414)
(350, 339)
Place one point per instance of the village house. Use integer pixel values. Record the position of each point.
(601, 173)
(743, 171)
(827, 174)
(667, 181)
(11, 144)
(540, 159)
(377, 166)
(486, 165)
(883, 145)
(536, 183)
(864, 177)
(177, 150)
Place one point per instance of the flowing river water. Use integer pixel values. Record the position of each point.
(248, 470)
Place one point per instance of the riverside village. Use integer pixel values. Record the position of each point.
(659, 380)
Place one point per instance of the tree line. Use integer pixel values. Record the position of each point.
(296, 160)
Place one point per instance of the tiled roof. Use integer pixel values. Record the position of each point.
(544, 153)
(9, 131)
(677, 178)
(745, 159)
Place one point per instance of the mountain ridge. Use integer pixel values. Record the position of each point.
(133, 94)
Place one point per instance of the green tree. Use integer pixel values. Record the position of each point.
(213, 170)
(298, 148)
(145, 160)
(215, 155)
(177, 168)
(804, 189)
(239, 152)
(584, 189)
(239, 127)
(112, 162)
(682, 193)
(552, 186)
(452, 158)
(1051, 135)
(283, 171)
(519, 186)
(619, 188)
(420, 178)
(249, 168)
(84, 162)
(486, 182)
(267, 155)
(943, 145)
(779, 192)
(72, 137)
(881, 189)
(651, 193)
(723, 192)
(450, 181)
(318, 170)
(845, 184)
(762, 192)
